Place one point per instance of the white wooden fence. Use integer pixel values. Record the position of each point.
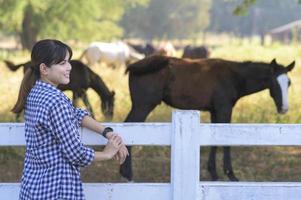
(185, 135)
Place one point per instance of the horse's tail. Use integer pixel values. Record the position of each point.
(12, 66)
(148, 65)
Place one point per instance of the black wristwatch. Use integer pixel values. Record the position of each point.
(106, 130)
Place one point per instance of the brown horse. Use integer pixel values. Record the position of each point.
(213, 85)
(196, 52)
(82, 78)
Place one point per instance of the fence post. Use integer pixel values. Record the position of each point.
(185, 158)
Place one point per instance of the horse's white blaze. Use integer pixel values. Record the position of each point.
(283, 82)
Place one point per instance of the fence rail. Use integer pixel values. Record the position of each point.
(185, 134)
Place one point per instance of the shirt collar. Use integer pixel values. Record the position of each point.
(41, 83)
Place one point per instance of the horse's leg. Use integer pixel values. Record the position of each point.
(87, 103)
(137, 114)
(228, 164)
(224, 116)
(212, 156)
(211, 164)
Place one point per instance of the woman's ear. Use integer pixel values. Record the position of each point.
(43, 69)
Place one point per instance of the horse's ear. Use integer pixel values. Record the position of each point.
(113, 93)
(273, 62)
(290, 66)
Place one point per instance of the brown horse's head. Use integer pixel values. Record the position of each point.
(107, 106)
(279, 84)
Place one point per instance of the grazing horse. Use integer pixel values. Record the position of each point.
(213, 85)
(113, 54)
(82, 78)
(197, 52)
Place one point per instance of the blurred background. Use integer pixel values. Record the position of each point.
(239, 30)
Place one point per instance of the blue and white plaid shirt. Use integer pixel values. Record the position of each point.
(54, 151)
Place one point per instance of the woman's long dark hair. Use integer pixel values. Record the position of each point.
(46, 51)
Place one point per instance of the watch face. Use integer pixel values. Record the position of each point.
(106, 130)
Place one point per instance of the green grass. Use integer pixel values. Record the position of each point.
(153, 163)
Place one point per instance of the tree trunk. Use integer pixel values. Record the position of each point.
(29, 30)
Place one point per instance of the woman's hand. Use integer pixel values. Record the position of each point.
(122, 152)
(113, 146)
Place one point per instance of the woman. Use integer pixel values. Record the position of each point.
(54, 151)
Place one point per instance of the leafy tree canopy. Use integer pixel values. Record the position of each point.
(167, 19)
(243, 8)
(77, 19)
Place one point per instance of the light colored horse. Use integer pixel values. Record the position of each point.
(112, 54)
(166, 48)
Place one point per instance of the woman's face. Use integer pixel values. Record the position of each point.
(58, 73)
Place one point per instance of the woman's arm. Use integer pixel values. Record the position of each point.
(66, 133)
(92, 124)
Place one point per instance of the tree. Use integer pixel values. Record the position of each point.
(76, 19)
(260, 18)
(167, 19)
(243, 8)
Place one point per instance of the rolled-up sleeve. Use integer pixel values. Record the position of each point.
(79, 115)
(65, 129)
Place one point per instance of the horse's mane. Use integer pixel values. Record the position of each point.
(148, 65)
(255, 70)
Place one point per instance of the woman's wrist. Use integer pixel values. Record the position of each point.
(102, 155)
(106, 131)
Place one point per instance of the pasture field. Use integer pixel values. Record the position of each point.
(152, 164)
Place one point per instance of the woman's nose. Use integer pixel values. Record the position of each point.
(69, 66)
